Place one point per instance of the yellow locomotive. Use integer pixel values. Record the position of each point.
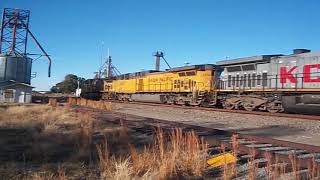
(192, 85)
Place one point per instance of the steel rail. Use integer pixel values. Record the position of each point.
(284, 115)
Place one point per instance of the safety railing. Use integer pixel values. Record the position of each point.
(284, 81)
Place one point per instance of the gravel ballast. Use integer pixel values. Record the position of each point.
(289, 129)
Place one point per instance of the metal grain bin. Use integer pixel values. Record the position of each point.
(15, 68)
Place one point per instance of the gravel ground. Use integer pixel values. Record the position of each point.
(295, 130)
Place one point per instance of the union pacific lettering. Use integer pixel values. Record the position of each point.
(287, 75)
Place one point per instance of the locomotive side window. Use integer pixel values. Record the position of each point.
(182, 74)
(258, 80)
(253, 80)
(234, 69)
(264, 79)
(191, 73)
(249, 67)
(237, 81)
(229, 80)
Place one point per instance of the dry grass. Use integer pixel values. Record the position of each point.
(43, 116)
(48, 175)
(235, 147)
(253, 166)
(183, 155)
(44, 172)
(49, 117)
(52, 134)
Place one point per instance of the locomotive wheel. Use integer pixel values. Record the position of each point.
(274, 108)
(163, 99)
(204, 104)
(228, 106)
(180, 102)
(248, 107)
(170, 102)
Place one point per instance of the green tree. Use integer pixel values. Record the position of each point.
(68, 85)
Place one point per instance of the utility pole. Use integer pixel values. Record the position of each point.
(109, 65)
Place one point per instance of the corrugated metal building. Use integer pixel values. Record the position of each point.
(15, 92)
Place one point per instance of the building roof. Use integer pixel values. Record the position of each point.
(13, 83)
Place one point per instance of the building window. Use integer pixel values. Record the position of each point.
(245, 80)
(249, 80)
(241, 80)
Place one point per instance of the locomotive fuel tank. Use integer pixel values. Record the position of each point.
(310, 99)
(152, 98)
(302, 104)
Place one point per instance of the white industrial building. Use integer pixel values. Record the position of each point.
(15, 92)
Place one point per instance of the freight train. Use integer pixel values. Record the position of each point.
(273, 83)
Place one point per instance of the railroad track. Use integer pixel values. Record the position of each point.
(298, 116)
(299, 159)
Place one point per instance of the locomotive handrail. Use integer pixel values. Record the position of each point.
(300, 81)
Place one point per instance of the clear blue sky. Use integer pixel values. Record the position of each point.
(196, 31)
